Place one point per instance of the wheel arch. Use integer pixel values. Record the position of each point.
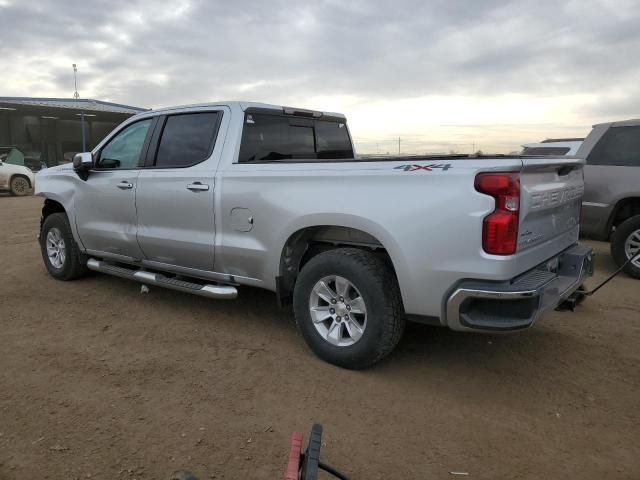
(22, 175)
(54, 204)
(624, 208)
(50, 207)
(307, 241)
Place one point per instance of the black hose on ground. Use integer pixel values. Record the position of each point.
(588, 293)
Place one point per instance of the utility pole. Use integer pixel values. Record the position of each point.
(76, 95)
(398, 145)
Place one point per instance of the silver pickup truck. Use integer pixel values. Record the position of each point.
(205, 198)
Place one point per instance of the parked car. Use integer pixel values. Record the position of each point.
(15, 178)
(204, 198)
(15, 156)
(611, 204)
(553, 146)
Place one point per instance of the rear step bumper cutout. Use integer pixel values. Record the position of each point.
(226, 292)
(517, 304)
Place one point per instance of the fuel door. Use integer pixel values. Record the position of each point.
(241, 219)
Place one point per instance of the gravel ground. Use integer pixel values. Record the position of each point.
(100, 381)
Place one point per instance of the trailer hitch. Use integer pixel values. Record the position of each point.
(580, 294)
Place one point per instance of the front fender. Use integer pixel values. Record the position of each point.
(58, 184)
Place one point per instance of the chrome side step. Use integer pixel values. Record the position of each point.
(227, 292)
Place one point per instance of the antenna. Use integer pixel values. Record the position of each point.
(76, 95)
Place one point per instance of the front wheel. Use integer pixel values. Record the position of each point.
(348, 307)
(60, 253)
(625, 244)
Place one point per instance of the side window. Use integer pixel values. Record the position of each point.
(275, 137)
(123, 150)
(333, 140)
(618, 146)
(187, 139)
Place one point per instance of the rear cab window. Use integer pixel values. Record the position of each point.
(277, 137)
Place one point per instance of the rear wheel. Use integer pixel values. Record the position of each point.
(625, 244)
(348, 307)
(19, 186)
(60, 253)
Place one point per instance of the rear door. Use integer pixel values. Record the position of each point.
(551, 198)
(175, 198)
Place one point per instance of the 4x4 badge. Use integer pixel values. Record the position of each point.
(428, 168)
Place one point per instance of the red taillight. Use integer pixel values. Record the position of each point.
(500, 228)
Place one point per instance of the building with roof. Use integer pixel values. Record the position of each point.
(52, 130)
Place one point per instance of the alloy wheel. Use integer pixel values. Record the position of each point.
(56, 249)
(632, 247)
(338, 311)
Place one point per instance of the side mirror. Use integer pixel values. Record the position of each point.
(82, 162)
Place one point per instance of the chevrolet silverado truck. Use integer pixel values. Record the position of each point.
(611, 203)
(206, 198)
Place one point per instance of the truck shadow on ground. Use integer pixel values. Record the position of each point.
(421, 348)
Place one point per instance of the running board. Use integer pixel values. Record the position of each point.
(226, 292)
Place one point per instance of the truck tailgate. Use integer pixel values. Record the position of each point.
(550, 202)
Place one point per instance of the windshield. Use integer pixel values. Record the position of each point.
(12, 156)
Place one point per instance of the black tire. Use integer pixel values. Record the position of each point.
(379, 289)
(20, 186)
(618, 240)
(75, 262)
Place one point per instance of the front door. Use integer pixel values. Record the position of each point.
(105, 203)
(176, 192)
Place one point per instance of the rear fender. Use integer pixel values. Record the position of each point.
(365, 225)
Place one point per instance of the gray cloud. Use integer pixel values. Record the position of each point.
(152, 54)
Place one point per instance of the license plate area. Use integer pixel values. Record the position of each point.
(576, 262)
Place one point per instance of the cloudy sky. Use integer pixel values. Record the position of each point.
(441, 74)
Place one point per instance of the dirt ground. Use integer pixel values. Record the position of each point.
(100, 381)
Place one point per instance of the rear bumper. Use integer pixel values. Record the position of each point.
(516, 304)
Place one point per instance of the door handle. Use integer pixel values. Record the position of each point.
(124, 185)
(197, 186)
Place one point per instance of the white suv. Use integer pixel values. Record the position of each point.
(17, 179)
